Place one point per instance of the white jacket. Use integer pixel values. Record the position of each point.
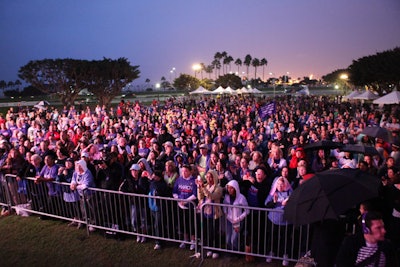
(235, 214)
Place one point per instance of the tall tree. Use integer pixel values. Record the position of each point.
(209, 70)
(217, 62)
(227, 61)
(3, 85)
(186, 82)
(17, 84)
(216, 66)
(108, 77)
(67, 77)
(202, 68)
(224, 54)
(238, 63)
(264, 64)
(247, 62)
(379, 72)
(63, 77)
(255, 63)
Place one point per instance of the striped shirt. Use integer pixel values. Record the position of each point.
(367, 251)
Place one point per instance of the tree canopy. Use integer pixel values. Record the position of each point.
(231, 80)
(379, 72)
(67, 77)
(185, 81)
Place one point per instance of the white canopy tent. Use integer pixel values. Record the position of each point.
(219, 90)
(391, 98)
(229, 90)
(242, 90)
(200, 90)
(367, 95)
(352, 95)
(255, 91)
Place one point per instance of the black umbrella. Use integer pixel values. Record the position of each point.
(329, 194)
(361, 149)
(378, 132)
(323, 144)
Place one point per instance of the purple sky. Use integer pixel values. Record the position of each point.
(300, 37)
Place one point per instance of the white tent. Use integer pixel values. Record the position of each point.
(303, 90)
(391, 98)
(367, 95)
(352, 95)
(200, 90)
(219, 90)
(255, 91)
(229, 90)
(42, 105)
(242, 90)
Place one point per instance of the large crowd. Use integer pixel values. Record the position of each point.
(220, 150)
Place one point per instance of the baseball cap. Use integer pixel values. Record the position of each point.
(168, 143)
(135, 167)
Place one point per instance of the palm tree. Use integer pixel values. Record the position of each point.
(17, 83)
(3, 85)
(247, 62)
(217, 66)
(264, 63)
(238, 63)
(147, 81)
(202, 68)
(163, 82)
(10, 85)
(227, 61)
(209, 69)
(224, 54)
(255, 63)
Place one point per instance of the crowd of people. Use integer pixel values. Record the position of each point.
(208, 150)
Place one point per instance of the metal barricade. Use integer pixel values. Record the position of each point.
(132, 214)
(163, 219)
(256, 236)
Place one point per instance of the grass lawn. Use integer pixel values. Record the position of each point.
(28, 241)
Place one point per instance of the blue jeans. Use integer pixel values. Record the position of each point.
(233, 237)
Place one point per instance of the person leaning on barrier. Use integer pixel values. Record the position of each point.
(209, 193)
(48, 174)
(137, 184)
(368, 248)
(185, 189)
(82, 179)
(71, 198)
(158, 187)
(235, 215)
(14, 162)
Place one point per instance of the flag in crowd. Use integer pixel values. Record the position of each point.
(267, 110)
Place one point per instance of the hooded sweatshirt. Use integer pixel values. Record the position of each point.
(235, 214)
(82, 180)
(210, 194)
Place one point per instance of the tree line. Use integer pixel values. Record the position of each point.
(379, 73)
(67, 77)
(107, 77)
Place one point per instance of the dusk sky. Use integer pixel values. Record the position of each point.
(300, 37)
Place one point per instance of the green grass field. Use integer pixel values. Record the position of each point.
(28, 241)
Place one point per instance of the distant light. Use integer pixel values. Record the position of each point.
(158, 85)
(196, 67)
(344, 76)
(336, 86)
